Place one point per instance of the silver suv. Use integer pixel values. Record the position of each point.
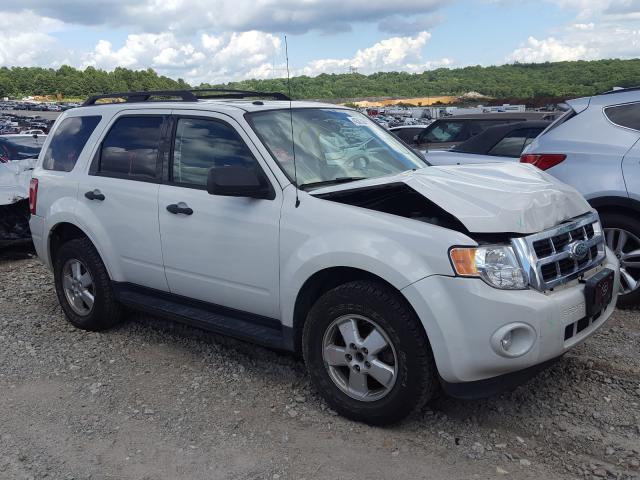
(594, 147)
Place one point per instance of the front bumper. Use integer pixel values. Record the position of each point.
(461, 315)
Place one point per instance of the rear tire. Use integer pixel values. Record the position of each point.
(84, 288)
(371, 307)
(613, 224)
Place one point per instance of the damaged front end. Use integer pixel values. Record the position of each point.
(14, 202)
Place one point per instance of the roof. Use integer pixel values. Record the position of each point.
(222, 105)
(200, 99)
(486, 140)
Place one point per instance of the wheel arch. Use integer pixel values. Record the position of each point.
(615, 205)
(321, 282)
(65, 231)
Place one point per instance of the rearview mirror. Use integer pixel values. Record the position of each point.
(231, 181)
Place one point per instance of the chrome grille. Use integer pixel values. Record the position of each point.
(550, 259)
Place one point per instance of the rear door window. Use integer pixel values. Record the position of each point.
(625, 115)
(68, 142)
(130, 149)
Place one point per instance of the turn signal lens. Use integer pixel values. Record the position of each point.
(464, 261)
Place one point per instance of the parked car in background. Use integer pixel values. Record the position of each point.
(391, 278)
(408, 133)
(595, 147)
(448, 132)
(496, 144)
(32, 132)
(20, 147)
(18, 156)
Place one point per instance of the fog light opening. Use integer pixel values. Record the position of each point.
(513, 340)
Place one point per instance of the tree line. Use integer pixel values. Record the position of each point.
(557, 79)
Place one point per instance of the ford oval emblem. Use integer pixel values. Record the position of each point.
(578, 250)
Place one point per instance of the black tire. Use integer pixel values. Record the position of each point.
(106, 311)
(416, 379)
(630, 224)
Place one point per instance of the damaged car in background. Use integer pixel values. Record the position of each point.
(18, 156)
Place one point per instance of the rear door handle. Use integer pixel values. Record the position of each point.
(179, 208)
(95, 195)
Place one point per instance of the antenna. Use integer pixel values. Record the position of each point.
(293, 141)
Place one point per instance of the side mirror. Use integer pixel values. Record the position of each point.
(238, 182)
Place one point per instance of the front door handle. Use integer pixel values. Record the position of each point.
(179, 208)
(95, 195)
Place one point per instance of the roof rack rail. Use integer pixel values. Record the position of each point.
(132, 97)
(185, 95)
(620, 90)
(203, 93)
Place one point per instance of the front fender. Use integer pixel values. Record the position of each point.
(321, 234)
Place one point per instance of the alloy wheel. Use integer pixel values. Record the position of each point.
(626, 246)
(360, 358)
(78, 286)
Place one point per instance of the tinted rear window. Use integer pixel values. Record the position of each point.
(68, 142)
(625, 115)
(408, 134)
(513, 143)
(130, 149)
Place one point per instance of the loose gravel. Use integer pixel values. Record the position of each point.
(155, 400)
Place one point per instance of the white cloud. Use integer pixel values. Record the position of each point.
(547, 50)
(215, 59)
(25, 40)
(396, 53)
(601, 29)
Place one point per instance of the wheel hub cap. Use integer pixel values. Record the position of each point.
(360, 358)
(78, 287)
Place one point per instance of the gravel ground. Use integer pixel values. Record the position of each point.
(155, 400)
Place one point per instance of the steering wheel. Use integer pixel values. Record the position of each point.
(359, 162)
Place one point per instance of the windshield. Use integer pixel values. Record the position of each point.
(331, 145)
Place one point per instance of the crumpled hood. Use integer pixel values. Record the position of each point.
(490, 198)
(15, 177)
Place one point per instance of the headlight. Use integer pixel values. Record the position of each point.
(497, 265)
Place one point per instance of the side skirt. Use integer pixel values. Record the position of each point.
(265, 331)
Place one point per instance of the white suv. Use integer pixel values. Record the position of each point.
(306, 227)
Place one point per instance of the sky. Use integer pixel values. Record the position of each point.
(215, 41)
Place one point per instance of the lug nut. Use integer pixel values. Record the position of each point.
(352, 346)
(348, 357)
(356, 368)
(367, 364)
(365, 351)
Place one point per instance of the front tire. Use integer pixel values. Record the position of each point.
(622, 234)
(84, 288)
(367, 353)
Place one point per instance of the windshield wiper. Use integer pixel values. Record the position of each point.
(334, 181)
